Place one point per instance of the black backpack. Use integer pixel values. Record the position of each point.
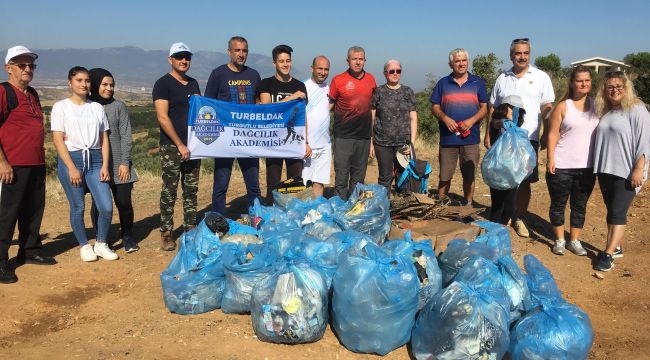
(12, 100)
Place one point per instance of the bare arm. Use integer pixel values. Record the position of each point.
(414, 126)
(486, 138)
(553, 134)
(6, 171)
(104, 174)
(62, 150)
(162, 108)
(436, 110)
(545, 109)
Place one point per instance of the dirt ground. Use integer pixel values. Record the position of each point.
(102, 310)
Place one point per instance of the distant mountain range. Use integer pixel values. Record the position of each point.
(134, 67)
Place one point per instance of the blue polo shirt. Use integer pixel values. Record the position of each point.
(459, 103)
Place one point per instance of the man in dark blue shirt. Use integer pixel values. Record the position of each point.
(234, 82)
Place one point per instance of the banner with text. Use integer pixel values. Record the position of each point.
(223, 129)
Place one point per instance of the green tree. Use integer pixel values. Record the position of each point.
(427, 123)
(549, 63)
(486, 66)
(640, 69)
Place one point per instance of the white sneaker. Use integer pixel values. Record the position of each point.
(558, 248)
(103, 251)
(520, 228)
(87, 253)
(576, 247)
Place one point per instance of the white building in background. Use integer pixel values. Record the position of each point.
(601, 65)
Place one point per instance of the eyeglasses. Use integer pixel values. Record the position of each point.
(24, 65)
(521, 40)
(611, 88)
(394, 71)
(180, 57)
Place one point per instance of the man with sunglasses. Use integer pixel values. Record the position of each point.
(350, 98)
(459, 102)
(22, 164)
(535, 88)
(238, 83)
(171, 100)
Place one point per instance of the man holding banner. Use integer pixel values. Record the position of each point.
(236, 83)
(350, 97)
(170, 95)
(282, 87)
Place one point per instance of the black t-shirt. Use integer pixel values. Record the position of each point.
(280, 90)
(177, 94)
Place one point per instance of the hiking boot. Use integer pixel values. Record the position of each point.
(520, 228)
(618, 253)
(188, 228)
(576, 247)
(166, 241)
(7, 274)
(558, 248)
(604, 262)
(87, 253)
(103, 251)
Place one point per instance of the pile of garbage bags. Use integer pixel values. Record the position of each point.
(300, 265)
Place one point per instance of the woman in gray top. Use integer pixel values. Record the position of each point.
(395, 122)
(621, 154)
(123, 175)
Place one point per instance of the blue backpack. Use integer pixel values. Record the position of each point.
(415, 177)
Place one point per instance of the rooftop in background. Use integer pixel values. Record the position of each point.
(601, 65)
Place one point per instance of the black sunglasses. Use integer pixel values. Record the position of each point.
(614, 73)
(520, 40)
(394, 71)
(23, 66)
(179, 57)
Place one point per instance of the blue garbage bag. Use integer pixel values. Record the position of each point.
(459, 252)
(193, 282)
(554, 330)
(510, 160)
(514, 281)
(282, 237)
(245, 267)
(291, 306)
(266, 213)
(496, 235)
(462, 322)
(322, 228)
(368, 212)
(281, 201)
(374, 300)
(540, 280)
(421, 254)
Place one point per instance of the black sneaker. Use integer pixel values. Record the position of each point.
(7, 274)
(618, 253)
(604, 262)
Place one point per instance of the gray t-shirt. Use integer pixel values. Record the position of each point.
(622, 137)
(392, 119)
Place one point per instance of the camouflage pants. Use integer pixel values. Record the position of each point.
(188, 172)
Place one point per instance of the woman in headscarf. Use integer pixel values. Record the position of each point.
(102, 90)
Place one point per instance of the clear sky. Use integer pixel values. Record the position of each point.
(419, 33)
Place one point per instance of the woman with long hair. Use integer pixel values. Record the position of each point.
(80, 134)
(122, 173)
(621, 153)
(569, 171)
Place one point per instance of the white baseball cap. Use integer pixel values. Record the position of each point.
(179, 47)
(17, 51)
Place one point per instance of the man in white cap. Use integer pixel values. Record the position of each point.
(171, 100)
(22, 164)
(535, 89)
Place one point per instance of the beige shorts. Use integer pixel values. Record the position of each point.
(467, 156)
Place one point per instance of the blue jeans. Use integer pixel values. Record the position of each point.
(250, 168)
(100, 191)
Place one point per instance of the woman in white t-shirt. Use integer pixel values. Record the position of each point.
(80, 134)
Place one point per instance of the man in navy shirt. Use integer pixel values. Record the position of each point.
(459, 101)
(234, 82)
